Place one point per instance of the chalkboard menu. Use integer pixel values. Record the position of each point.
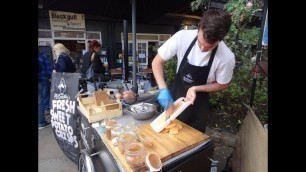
(64, 87)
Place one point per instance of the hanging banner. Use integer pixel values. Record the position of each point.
(67, 21)
(64, 88)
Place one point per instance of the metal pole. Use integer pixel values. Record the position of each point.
(258, 55)
(208, 4)
(125, 51)
(135, 86)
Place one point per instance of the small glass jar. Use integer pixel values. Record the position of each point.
(116, 131)
(109, 124)
(124, 139)
(131, 128)
(135, 155)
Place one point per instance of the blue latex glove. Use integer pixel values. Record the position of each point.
(164, 98)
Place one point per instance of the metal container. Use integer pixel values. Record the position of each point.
(142, 111)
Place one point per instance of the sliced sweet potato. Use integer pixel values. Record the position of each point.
(172, 124)
(173, 131)
(178, 126)
(165, 130)
(173, 128)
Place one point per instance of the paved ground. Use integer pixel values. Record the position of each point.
(50, 156)
(224, 143)
(221, 153)
(52, 159)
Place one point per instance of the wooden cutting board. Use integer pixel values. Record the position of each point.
(164, 144)
(167, 145)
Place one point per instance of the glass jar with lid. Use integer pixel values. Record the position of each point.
(131, 128)
(109, 124)
(135, 156)
(124, 139)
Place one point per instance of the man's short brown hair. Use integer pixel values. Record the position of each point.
(215, 25)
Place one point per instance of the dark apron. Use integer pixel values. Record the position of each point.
(189, 75)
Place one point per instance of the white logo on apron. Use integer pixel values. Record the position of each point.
(188, 78)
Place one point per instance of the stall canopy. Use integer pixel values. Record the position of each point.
(146, 10)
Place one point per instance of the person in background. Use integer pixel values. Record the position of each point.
(63, 62)
(92, 56)
(44, 77)
(205, 64)
(88, 42)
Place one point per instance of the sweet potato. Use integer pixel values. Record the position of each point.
(173, 131)
(173, 128)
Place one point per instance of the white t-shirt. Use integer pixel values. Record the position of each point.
(222, 67)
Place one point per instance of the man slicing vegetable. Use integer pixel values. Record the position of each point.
(205, 64)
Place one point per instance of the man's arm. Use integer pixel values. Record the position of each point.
(157, 67)
(212, 87)
(164, 97)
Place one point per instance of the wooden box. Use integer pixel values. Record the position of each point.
(98, 106)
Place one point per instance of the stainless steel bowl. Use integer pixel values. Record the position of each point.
(142, 111)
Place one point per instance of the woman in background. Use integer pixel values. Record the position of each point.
(63, 62)
(92, 56)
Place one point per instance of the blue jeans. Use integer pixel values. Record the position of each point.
(43, 101)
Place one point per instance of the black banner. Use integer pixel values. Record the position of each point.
(64, 87)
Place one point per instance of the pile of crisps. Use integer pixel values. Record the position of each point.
(173, 128)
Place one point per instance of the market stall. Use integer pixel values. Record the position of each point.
(189, 150)
(84, 137)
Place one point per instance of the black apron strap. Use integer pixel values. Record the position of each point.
(212, 56)
(211, 59)
(173, 89)
(187, 52)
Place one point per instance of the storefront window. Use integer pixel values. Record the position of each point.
(142, 48)
(92, 36)
(149, 37)
(164, 37)
(44, 34)
(45, 43)
(66, 34)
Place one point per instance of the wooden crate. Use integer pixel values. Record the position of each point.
(99, 106)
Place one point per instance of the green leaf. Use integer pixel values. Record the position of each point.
(239, 122)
